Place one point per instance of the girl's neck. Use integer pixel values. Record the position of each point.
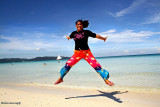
(80, 30)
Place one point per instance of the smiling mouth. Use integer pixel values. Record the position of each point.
(79, 27)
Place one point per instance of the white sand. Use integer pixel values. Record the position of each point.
(38, 96)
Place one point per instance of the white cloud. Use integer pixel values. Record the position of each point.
(126, 51)
(26, 41)
(130, 9)
(42, 44)
(8, 38)
(109, 31)
(123, 51)
(103, 34)
(93, 40)
(50, 42)
(36, 41)
(153, 19)
(125, 36)
(158, 49)
(40, 49)
(14, 43)
(37, 49)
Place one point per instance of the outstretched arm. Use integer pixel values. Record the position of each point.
(68, 37)
(102, 38)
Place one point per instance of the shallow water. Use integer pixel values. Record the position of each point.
(128, 71)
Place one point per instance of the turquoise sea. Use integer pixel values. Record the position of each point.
(141, 71)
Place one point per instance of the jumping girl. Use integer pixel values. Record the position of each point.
(82, 51)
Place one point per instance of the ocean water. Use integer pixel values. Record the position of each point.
(125, 71)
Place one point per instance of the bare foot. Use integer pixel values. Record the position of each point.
(110, 83)
(58, 81)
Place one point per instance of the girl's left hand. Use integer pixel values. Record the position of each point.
(105, 38)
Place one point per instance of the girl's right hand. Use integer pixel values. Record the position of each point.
(68, 37)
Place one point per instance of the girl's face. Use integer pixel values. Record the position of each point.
(79, 26)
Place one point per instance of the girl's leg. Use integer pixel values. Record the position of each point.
(72, 61)
(102, 72)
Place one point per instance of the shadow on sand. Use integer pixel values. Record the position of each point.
(103, 94)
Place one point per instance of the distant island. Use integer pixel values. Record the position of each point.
(46, 58)
(9, 60)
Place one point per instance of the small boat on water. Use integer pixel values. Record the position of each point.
(59, 57)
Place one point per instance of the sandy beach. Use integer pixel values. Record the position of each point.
(56, 96)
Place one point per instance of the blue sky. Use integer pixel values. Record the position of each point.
(31, 28)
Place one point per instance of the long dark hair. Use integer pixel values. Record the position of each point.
(84, 22)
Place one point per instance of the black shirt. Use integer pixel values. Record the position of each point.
(81, 39)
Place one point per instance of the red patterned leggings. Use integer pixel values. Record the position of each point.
(87, 55)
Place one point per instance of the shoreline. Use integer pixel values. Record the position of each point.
(57, 96)
(61, 86)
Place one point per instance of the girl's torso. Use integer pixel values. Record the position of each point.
(81, 39)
